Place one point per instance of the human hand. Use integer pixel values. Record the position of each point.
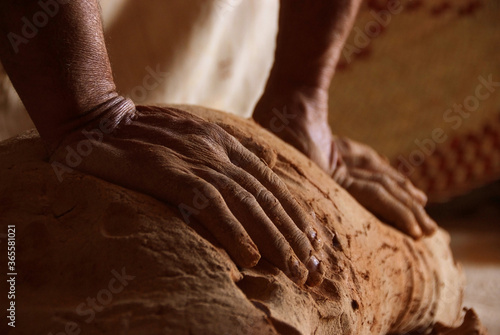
(186, 161)
(369, 178)
(365, 174)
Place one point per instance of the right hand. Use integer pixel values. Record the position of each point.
(359, 169)
(184, 160)
(369, 178)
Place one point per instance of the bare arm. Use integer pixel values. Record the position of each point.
(63, 76)
(310, 39)
(294, 106)
(60, 69)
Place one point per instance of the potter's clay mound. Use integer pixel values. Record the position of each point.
(97, 257)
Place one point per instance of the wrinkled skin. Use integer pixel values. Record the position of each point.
(294, 106)
(213, 180)
(381, 189)
(64, 79)
(365, 174)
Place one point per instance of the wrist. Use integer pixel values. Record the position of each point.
(292, 104)
(300, 118)
(306, 72)
(105, 116)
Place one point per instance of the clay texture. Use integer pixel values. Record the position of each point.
(107, 260)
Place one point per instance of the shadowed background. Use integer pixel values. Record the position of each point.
(400, 76)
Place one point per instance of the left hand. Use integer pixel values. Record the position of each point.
(183, 160)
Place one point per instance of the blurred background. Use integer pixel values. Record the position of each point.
(418, 80)
(413, 85)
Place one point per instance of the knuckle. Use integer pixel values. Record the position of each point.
(407, 183)
(192, 124)
(273, 177)
(407, 218)
(418, 209)
(245, 197)
(265, 196)
(386, 180)
(210, 191)
(364, 161)
(377, 190)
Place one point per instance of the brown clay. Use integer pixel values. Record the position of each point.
(86, 241)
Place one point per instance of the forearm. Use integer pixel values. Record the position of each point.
(310, 39)
(60, 69)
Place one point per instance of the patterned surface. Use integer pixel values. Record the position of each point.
(465, 162)
(409, 78)
(392, 89)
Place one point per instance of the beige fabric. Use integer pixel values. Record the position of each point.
(215, 53)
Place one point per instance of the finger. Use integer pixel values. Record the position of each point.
(358, 155)
(200, 199)
(265, 153)
(379, 201)
(168, 181)
(250, 163)
(416, 192)
(271, 243)
(273, 209)
(377, 164)
(427, 225)
(341, 174)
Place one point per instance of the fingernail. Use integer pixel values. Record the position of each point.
(312, 234)
(313, 263)
(315, 268)
(314, 238)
